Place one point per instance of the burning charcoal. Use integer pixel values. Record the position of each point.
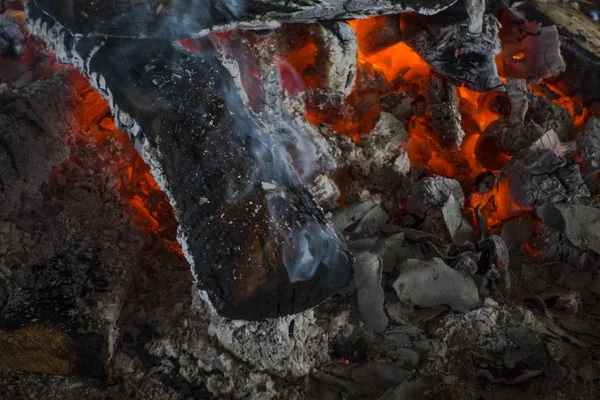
(325, 191)
(580, 224)
(508, 136)
(431, 283)
(382, 145)
(336, 57)
(433, 192)
(538, 177)
(367, 276)
(378, 33)
(580, 48)
(34, 123)
(397, 104)
(529, 51)
(517, 93)
(442, 108)
(257, 241)
(550, 116)
(588, 143)
(447, 45)
(11, 38)
(494, 263)
(187, 18)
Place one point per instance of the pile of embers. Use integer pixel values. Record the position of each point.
(471, 216)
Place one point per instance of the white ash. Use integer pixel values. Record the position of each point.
(325, 191)
(288, 346)
(483, 327)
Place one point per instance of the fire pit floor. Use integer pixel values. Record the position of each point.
(472, 221)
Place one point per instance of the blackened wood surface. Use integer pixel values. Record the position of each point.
(245, 218)
(184, 18)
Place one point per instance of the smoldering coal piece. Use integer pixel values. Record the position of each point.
(258, 243)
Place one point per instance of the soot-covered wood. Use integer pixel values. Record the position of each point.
(243, 215)
(185, 18)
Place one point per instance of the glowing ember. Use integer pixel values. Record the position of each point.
(518, 56)
(148, 207)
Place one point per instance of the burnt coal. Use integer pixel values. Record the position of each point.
(463, 57)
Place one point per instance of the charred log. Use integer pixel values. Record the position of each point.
(258, 243)
(181, 19)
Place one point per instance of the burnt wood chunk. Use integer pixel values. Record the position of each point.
(187, 18)
(442, 108)
(529, 50)
(445, 42)
(378, 33)
(579, 46)
(257, 242)
(540, 176)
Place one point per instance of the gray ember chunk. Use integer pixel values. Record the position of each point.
(433, 192)
(580, 224)
(517, 93)
(588, 143)
(542, 176)
(257, 241)
(432, 283)
(550, 116)
(553, 246)
(367, 276)
(188, 18)
(529, 51)
(475, 9)
(442, 108)
(512, 136)
(463, 57)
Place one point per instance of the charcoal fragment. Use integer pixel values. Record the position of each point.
(430, 283)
